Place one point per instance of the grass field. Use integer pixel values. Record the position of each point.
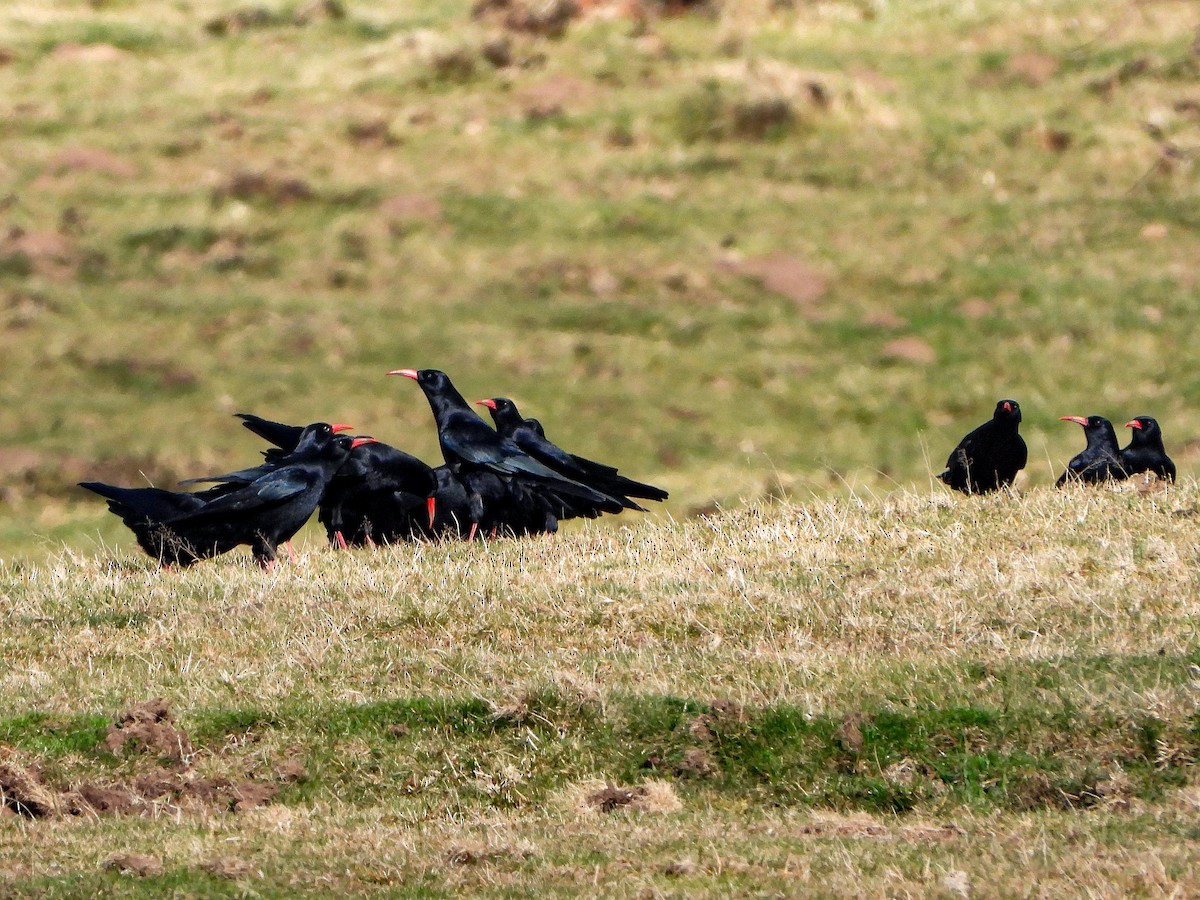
(810, 244)
(911, 696)
(777, 257)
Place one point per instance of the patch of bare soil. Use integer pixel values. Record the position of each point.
(849, 734)
(787, 275)
(545, 18)
(147, 727)
(1035, 69)
(552, 96)
(268, 186)
(404, 211)
(48, 252)
(88, 53)
(651, 797)
(474, 856)
(139, 864)
(144, 729)
(856, 827)
(91, 159)
(612, 797)
(696, 763)
(910, 349)
(22, 789)
(228, 867)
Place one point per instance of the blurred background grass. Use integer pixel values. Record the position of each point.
(733, 249)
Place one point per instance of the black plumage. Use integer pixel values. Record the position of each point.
(529, 435)
(379, 495)
(990, 457)
(1100, 460)
(1146, 452)
(182, 529)
(507, 489)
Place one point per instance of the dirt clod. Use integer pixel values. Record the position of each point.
(680, 868)
(273, 188)
(250, 794)
(696, 763)
(291, 771)
(139, 864)
(849, 734)
(22, 789)
(612, 797)
(147, 727)
(546, 18)
(228, 867)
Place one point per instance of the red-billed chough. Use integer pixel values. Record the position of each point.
(379, 495)
(1145, 452)
(1100, 460)
(182, 529)
(529, 435)
(989, 457)
(487, 462)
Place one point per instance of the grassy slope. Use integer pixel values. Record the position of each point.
(578, 260)
(853, 696)
(935, 696)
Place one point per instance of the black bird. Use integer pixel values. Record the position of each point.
(182, 529)
(286, 439)
(506, 487)
(529, 435)
(1100, 460)
(379, 495)
(1145, 452)
(990, 457)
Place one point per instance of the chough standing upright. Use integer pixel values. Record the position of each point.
(182, 529)
(990, 457)
(1100, 460)
(507, 489)
(1146, 452)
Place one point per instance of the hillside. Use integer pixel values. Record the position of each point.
(760, 244)
(908, 694)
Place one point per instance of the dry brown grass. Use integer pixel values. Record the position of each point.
(1019, 603)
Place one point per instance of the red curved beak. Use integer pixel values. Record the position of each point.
(1078, 420)
(490, 404)
(359, 441)
(431, 505)
(407, 373)
(339, 427)
(1008, 407)
(1134, 423)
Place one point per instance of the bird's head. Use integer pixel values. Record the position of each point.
(426, 378)
(1144, 428)
(504, 411)
(1008, 411)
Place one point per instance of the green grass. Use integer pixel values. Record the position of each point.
(918, 685)
(577, 260)
(844, 682)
